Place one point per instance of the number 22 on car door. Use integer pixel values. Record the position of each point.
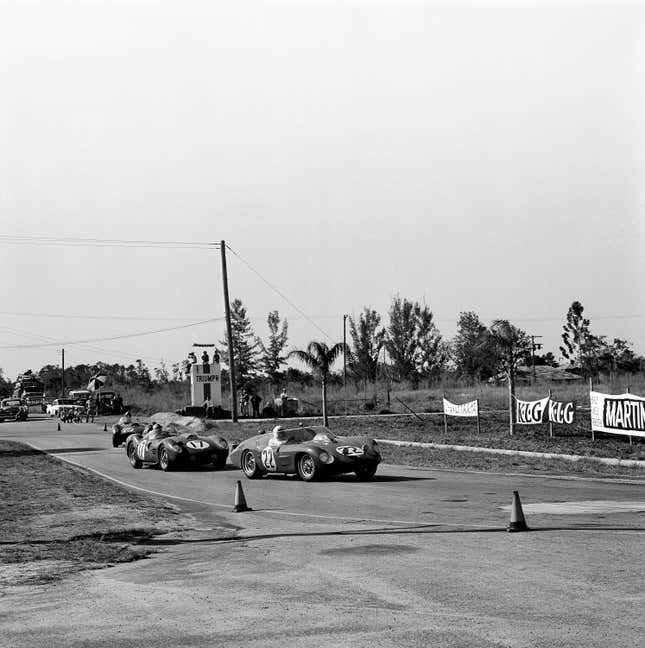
(268, 459)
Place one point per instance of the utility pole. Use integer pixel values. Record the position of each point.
(534, 348)
(229, 335)
(62, 382)
(344, 350)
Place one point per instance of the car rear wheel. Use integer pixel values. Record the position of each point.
(135, 462)
(164, 459)
(250, 466)
(365, 473)
(306, 467)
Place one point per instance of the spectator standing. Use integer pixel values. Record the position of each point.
(208, 408)
(244, 407)
(256, 399)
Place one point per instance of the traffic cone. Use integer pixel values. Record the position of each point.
(58, 426)
(104, 427)
(517, 523)
(240, 500)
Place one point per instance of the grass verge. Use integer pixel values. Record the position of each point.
(56, 519)
(567, 440)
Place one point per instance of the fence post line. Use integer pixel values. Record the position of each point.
(550, 421)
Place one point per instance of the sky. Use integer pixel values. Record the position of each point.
(478, 156)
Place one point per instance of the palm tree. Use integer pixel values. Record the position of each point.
(320, 358)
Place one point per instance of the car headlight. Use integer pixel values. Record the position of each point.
(173, 446)
(325, 457)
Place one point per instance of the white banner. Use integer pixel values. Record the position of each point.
(562, 413)
(530, 412)
(467, 409)
(617, 414)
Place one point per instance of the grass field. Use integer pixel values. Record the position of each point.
(56, 519)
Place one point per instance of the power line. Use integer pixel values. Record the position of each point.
(248, 265)
(98, 317)
(94, 242)
(107, 339)
(116, 353)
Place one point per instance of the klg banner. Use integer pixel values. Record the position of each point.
(618, 414)
(467, 409)
(563, 413)
(530, 412)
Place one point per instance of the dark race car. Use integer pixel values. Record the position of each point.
(123, 429)
(170, 449)
(309, 452)
(14, 409)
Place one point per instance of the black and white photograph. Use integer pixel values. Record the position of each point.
(322, 323)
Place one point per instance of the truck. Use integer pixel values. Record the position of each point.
(29, 388)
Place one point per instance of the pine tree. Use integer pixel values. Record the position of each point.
(272, 358)
(575, 335)
(245, 345)
(367, 342)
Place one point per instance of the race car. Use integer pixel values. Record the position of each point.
(170, 449)
(123, 429)
(60, 404)
(309, 452)
(14, 409)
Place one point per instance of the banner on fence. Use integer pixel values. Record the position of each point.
(467, 409)
(617, 414)
(563, 413)
(530, 412)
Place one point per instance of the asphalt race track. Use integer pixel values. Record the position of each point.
(415, 557)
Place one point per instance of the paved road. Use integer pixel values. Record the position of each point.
(417, 557)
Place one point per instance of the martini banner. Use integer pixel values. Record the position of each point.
(466, 409)
(530, 412)
(617, 414)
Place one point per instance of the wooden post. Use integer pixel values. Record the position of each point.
(478, 425)
(62, 382)
(628, 392)
(511, 396)
(445, 418)
(550, 421)
(229, 335)
(345, 351)
(593, 435)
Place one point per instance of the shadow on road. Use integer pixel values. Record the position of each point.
(425, 529)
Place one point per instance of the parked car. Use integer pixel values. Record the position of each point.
(80, 396)
(109, 402)
(170, 449)
(60, 404)
(309, 452)
(14, 409)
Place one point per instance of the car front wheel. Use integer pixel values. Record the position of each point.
(250, 465)
(307, 470)
(365, 473)
(135, 462)
(164, 459)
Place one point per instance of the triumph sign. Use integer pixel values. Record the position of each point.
(205, 384)
(617, 414)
